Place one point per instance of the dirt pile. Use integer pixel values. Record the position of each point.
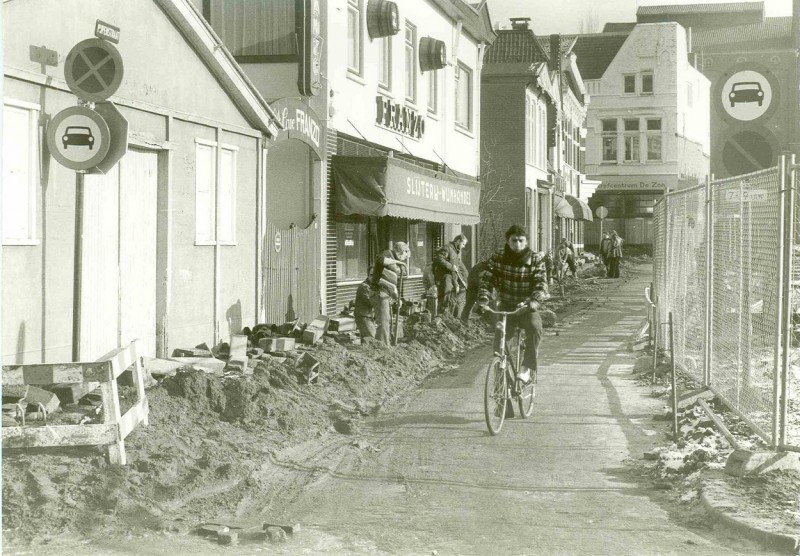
(202, 454)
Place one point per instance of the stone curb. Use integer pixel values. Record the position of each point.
(716, 506)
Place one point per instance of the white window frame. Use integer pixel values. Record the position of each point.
(227, 186)
(31, 111)
(411, 57)
(355, 40)
(463, 70)
(385, 63)
(654, 133)
(606, 135)
(635, 141)
(433, 93)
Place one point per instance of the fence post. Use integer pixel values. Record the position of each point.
(657, 324)
(707, 330)
(675, 428)
(789, 239)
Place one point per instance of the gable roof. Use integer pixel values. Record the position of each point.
(595, 52)
(474, 18)
(724, 8)
(514, 46)
(220, 62)
(619, 27)
(567, 42)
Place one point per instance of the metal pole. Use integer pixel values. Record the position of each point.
(675, 429)
(707, 330)
(77, 265)
(740, 351)
(657, 322)
(791, 234)
(781, 307)
(650, 315)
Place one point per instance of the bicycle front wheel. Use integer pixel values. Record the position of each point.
(495, 396)
(526, 398)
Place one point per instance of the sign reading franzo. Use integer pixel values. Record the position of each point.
(399, 118)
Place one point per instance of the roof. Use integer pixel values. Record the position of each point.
(620, 27)
(474, 18)
(567, 42)
(515, 45)
(725, 8)
(771, 29)
(595, 52)
(220, 62)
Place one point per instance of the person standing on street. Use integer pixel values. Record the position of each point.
(566, 254)
(605, 245)
(390, 267)
(363, 310)
(519, 277)
(451, 274)
(614, 254)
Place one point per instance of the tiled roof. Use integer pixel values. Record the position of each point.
(625, 27)
(595, 52)
(726, 8)
(770, 29)
(514, 45)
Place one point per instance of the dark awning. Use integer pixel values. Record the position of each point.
(380, 186)
(580, 209)
(562, 207)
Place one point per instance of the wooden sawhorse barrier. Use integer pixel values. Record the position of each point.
(115, 426)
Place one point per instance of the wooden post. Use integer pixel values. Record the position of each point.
(112, 416)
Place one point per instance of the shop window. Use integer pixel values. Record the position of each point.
(353, 251)
(609, 140)
(654, 139)
(629, 83)
(463, 96)
(206, 230)
(384, 47)
(354, 36)
(647, 83)
(20, 173)
(421, 244)
(411, 62)
(631, 139)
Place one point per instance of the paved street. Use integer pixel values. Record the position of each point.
(552, 484)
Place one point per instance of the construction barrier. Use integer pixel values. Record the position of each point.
(115, 426)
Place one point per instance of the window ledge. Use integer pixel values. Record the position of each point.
(434, 116)
(348, 282)
(21, 242)
(353, 76)
(198, 242)
(461, 129)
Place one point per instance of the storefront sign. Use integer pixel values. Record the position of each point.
(299, 121)
(378, 186)
(399, 118)
(636, 183)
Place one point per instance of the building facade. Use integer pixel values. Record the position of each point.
(403, 133)
(648, 124)
(170, 243)
(533, 113)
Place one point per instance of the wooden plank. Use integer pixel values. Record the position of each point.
(52, 373)
(135, 415)
(61, 435)
(72, 392)
(120, 359)
(111, 416)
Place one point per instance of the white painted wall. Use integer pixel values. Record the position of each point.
(352, 103)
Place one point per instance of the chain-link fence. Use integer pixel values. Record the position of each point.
(719, 261)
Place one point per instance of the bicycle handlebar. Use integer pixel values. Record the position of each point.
(506, 313)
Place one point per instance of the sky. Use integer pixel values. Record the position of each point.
(574, 16)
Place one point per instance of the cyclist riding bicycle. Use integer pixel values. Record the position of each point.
(519, 277)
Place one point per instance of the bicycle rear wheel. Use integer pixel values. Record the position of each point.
(494, 396)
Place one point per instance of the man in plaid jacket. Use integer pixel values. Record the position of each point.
(519, 276)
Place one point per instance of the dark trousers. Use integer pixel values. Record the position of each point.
(469, 303)
(613, 267)
(531, 323)
(452, 303)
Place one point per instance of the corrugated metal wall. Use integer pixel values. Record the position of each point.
(291, 276)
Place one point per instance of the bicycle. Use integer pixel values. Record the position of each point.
(502, 385)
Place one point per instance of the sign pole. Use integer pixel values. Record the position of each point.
(77, 267)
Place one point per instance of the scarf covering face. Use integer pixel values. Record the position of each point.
(516, 259)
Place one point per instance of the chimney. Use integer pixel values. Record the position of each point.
(555, 51)
(520, 22)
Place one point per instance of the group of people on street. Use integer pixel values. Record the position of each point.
(516, 274)
(611, 253)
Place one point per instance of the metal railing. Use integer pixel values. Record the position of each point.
(723, 266)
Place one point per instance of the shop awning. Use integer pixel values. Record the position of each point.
(380, 186)
(562, 207)
(579, 208)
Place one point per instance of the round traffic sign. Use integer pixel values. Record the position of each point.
(277, 242)
(601, 212)
(93, 69)
(78, 138)
(747, 148)
(746, 92)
